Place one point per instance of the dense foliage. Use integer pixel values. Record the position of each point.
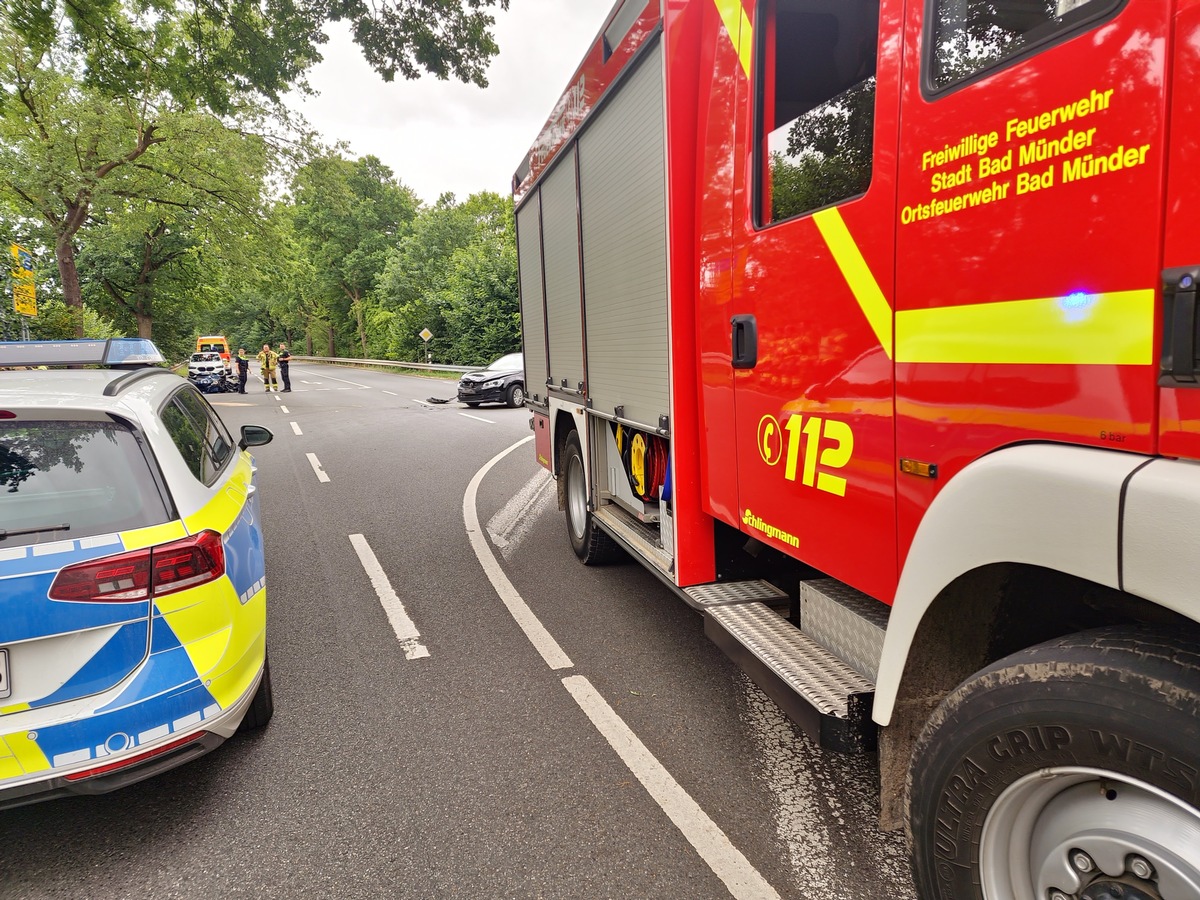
(146, 161)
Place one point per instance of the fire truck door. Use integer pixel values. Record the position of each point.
(1030, 229)
(1179, 376)
(811, 310)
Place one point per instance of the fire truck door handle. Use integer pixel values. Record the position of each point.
(745, 342)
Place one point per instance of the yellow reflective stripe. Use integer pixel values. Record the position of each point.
(1106, 329)
(138, 538)
(1115, 329)
(737, 24)
(858, 275)
(28, 754)
(16, 707)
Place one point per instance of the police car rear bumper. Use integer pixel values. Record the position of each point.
(123, 769)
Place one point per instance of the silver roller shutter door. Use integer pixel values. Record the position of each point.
(560, 245)
(623, 199)
(533, 323)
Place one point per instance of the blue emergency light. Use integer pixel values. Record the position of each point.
(109, 352)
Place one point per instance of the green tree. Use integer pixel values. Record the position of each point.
(350, 214)
(416, 285)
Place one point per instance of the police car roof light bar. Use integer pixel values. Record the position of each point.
(108, 352)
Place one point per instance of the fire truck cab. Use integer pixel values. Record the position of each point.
(869, 326)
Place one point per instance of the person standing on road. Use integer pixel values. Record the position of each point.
(268, 361)
(243, 365)
(285, 357)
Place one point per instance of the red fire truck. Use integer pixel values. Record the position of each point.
(869, 326)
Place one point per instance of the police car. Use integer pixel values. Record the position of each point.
(132, 575)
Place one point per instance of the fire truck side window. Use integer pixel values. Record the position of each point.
(816, 103)
(970, 36)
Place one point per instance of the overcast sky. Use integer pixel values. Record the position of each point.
(445, 136)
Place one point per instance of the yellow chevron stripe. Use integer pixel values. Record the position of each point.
(737, 24)
(857, 274)
(1108, 329)
(1114, 329)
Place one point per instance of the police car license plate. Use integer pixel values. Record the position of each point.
(5, 687)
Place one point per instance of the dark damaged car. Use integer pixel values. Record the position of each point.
(501, 382)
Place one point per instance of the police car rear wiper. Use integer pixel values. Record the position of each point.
(7, 534)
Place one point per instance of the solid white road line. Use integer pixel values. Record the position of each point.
(296, 428)
(509, 526)
(406, 631)
(534, 630)
(392, 393)
(727, 862)
(343, 380)
(477, 418)
(316, 465)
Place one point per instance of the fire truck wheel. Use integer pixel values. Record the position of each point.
(590, 544)
(1070, 771)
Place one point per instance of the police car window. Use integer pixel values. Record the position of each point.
(969, 36)
(816, 103)
(92, 476)
(202, 439)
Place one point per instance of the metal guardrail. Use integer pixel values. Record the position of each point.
(340, 360)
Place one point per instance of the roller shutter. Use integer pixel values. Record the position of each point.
(622, 179)
(560, 245)
(533, 322)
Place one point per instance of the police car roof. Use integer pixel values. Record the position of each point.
(57, 393)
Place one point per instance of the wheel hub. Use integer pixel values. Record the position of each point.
(1120, 889)
(1084, 834)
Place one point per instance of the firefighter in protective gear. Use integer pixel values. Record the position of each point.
(269, 361)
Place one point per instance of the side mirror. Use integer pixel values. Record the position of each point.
(255, 436)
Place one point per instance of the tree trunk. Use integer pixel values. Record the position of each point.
(68, 276)
(362, 334)
(308, 343)
(145, 325)
(332, 348)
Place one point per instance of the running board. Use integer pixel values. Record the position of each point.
(815, 688)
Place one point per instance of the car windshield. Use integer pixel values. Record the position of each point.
(91, 476)
(512, 362)
(206, 357)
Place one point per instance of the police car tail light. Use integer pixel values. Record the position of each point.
(141, 574)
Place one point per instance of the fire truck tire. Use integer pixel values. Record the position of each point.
(1069, 770)
(590, 543)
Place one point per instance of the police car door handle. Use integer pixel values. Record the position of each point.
(745, 342)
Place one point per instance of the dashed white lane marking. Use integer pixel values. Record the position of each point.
(392, 393)
(278, 399)
(316, 465)
(296, 428)
(423, 403)
(406, 631)
(284, 410)
(509, 526)
(477, 418)
(534, 630)
(727, 862)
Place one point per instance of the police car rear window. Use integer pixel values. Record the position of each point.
(90, 476)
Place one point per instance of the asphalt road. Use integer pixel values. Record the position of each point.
(423, 746)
